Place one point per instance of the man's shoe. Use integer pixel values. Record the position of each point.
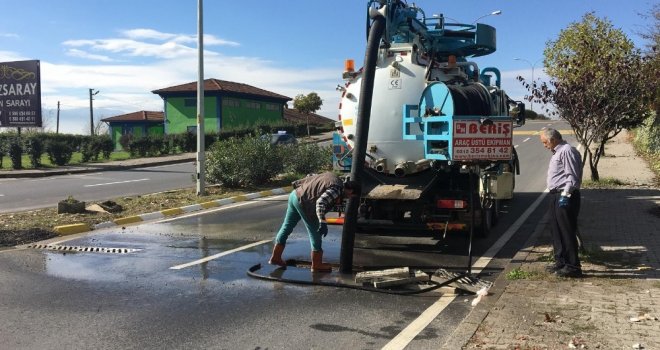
(569, 272)
(554, 267)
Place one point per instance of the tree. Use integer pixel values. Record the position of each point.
(599, 84)
(652, 35)
(307, 104)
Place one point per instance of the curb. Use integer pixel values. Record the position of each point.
(64, 230)
(172, 212)
(462, 335)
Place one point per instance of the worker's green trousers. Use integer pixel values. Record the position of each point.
(294, 214)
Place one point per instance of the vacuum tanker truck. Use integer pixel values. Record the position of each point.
(439, 151)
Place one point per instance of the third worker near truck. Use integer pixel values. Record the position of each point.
(564, 179)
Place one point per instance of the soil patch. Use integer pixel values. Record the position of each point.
(9, 238)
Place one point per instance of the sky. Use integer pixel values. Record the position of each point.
(126, 49)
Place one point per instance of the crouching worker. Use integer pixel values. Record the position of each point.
(312, 197)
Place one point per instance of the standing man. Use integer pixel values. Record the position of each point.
(564, 179)
(311, 198)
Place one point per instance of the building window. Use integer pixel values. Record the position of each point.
(230, 102)
(272, 107)
(190, 102)
(253, 105)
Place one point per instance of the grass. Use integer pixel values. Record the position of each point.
(76, 159)
(520, 274)
(603, 183)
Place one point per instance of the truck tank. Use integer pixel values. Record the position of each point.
(436, 119)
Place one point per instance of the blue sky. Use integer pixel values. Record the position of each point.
(126, 49)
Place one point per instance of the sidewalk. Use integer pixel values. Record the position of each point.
(615, 306)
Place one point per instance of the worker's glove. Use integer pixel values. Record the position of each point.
(323, 229)
(564, 201)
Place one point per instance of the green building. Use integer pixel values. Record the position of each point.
(137, 124)
(226, 105)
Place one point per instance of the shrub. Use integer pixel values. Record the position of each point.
(186, 142)
(167, 145)
(87, 150)
(15, 151)
(125, 141)
(647, 136)
(59, 152)
(155, 145)
(2, 153)
(106, 146)
(243, 162)
(34, 147)
(139, 146)
(305, 158)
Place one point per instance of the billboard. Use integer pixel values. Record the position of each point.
(20, 94)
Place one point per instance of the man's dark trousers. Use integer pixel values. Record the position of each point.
(563, 223)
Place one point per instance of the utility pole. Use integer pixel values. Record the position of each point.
(57, 126)
(91, 111)
(200, 100)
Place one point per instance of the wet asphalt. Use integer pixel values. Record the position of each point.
(135, 300)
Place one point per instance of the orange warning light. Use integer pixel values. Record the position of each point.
(349, 66)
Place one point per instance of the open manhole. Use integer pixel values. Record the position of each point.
(79, 249)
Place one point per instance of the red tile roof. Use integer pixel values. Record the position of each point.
(222, 86)
(140, 116)
(294, 116)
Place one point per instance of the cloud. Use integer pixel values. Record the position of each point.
(9, 35)
(150, 34)
(127, 68)
(84, 54)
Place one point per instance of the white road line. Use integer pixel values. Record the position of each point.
(527, 139)
(516, 146)
(2, 195)
(209, 258)
(115, 183)
(410, 332)
(414, 328)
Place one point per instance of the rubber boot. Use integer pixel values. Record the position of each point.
(276, 258)
(317, 262)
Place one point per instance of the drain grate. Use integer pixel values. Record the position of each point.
(69, 248)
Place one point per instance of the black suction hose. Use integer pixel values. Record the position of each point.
(252, 272)
(360, 145)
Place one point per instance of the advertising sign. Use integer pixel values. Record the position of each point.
(473, 140)
(20, 94)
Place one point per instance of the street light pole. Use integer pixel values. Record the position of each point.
(494, 13)
(531, 105)
(200, 100)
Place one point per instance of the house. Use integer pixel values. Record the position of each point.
(136, 124)
(293, 116)
(226, 105)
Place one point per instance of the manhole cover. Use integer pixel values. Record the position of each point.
(69, 248)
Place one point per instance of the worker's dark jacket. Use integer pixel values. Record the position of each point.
(309, 189)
